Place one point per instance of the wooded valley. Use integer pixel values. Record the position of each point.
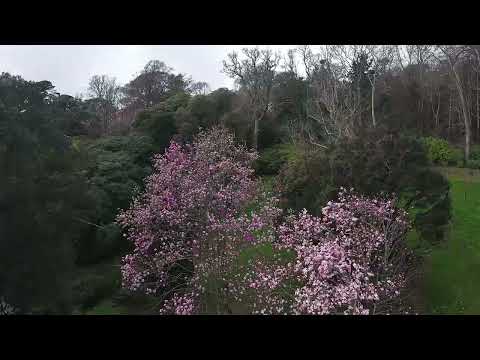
(336, 179)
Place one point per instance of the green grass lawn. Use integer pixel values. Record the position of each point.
(106, 307)
(453, 268)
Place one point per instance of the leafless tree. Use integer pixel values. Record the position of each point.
(475, 51)
(453, 54)
(406, 55)
(290, 63)
(107, 93)
(331, 104)
(433, 83)
(255, 74)
(200, 88)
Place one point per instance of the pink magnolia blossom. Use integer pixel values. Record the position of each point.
(350, 261)
(192, 210)
(193, 222)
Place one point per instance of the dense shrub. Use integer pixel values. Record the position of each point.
(440, 152)
(237, 122)
(117, 166)
(160, 126)
(94, 284)
(108, 242)
(427, 199)
(375, 162)
(43, 194)
(272, 159)
(473, 164)
(270, 132)
(475, 153)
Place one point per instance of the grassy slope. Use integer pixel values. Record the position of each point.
(453, 269)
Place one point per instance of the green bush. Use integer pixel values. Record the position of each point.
(427, 200)
(473, 164)
(272, 159)
(440, 152)
(116, 169)
(94, 284)
(160, 126)
(376, 162)
(475, 153)
(104, 243)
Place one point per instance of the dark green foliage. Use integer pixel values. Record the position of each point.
(199, 114)
(473, 164)
(119, 164)
(108, 242)
(306, 181)
(154, 84)
(237, 122)
(289, 94)
(358, 73)
(42, 202)
(427, 198)
(475, 153)
(135, 303)
(270, 132)
(117, 167)
(378, 161)
(289, 98)
(96, 283)
(223, 100)
(203, 112)
(173, 103)
(72, 116)
(160, 126)
(273, 159)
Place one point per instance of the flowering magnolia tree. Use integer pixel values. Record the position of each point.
(208, 240)
(352, 260)
(190, 223)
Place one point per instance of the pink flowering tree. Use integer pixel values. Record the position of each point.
(191, 223)
(207, 239)
(351, 260)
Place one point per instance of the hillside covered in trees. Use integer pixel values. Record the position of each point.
(329, 181)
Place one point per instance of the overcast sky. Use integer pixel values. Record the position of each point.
(69, 67)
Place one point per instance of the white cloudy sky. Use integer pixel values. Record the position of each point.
(69, 67)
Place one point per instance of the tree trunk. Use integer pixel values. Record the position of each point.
(373, 102)
(466, 119)
(449, 114)
(255, 133)
(477, 89)
(478, 108)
